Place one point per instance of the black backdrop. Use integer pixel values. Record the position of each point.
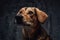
(9, 8)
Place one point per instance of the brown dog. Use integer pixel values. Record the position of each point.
(29, 18)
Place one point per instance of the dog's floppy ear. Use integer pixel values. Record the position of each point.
(42, 16)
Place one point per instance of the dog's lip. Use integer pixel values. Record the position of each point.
(17, 22)
(24, 23)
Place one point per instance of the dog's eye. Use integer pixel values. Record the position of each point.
(20, 11)
(30, 12)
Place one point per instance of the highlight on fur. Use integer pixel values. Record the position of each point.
(28, 17)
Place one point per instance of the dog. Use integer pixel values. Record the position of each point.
(31, 19)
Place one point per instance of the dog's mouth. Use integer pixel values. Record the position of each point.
(20, 22)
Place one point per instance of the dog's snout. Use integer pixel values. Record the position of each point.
(18, 19)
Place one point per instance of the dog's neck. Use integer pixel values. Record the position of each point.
(32, 30)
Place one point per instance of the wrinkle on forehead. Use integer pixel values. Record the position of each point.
(24, 10)
(30, 9)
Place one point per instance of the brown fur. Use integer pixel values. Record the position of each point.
(35, 31)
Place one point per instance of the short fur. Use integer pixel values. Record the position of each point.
(32, 30)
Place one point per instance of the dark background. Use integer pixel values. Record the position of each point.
(9, 8)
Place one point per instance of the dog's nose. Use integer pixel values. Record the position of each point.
(18, 19)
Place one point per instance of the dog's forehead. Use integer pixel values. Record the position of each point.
(22, 9)
(29, 9)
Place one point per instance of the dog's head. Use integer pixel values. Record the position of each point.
(30, 16)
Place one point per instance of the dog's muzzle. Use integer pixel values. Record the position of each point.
(18, 19)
